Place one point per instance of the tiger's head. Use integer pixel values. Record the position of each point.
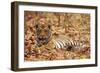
(43, 32)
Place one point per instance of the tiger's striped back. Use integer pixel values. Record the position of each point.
(66, 43)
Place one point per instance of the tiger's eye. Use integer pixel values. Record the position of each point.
(38, 31)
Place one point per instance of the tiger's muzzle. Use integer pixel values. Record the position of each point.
(43, 40)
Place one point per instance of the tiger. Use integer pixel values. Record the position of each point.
(43, 32)
(44, 38)
(67, 43)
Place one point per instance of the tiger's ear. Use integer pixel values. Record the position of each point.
(49, 26)
(36, 25)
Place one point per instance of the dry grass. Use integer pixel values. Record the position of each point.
(73, 25)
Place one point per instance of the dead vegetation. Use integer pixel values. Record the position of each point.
(73, 25)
